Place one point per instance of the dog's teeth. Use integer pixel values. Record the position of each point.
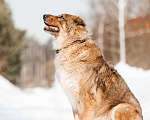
(51, 28)
(55, 29)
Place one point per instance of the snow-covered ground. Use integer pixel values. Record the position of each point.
(52, 104)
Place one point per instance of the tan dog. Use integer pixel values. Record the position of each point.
(95, 90)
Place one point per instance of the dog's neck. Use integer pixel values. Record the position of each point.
(75, 42)
(64, 39)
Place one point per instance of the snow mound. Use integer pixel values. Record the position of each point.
(33, 104)
(6, 85)
(128, 71)
(8, 93)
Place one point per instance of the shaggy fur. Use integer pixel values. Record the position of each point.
(95, 89)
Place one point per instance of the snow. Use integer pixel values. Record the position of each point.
(52, 103)
(33, 104)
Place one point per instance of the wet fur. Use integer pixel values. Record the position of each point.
(95, 89)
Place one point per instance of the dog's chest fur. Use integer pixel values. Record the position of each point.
(67, 82)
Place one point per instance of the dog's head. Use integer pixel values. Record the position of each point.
(64, 23)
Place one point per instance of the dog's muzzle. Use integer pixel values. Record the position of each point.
(45, 17)
(50, 27)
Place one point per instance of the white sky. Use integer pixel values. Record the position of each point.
(28, 14)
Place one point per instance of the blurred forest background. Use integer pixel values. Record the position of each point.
(121, 28)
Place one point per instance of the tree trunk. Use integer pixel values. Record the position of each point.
(121, 5)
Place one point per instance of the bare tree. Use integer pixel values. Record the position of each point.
(97, 13)
(37, 68)
(121, 20)
(112, 13)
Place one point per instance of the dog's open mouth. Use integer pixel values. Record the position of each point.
(51, 28)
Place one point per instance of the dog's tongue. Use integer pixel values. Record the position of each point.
(51, 28)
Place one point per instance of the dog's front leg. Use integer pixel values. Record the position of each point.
(87, 115)
(76, 116)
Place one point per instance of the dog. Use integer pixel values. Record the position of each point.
(95, 89)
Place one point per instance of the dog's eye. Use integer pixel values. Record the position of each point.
(61, 17)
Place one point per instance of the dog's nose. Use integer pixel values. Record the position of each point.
(45, 16)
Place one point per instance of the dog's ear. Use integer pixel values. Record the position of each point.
(79, 21)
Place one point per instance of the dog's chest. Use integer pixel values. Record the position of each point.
(69, 85)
